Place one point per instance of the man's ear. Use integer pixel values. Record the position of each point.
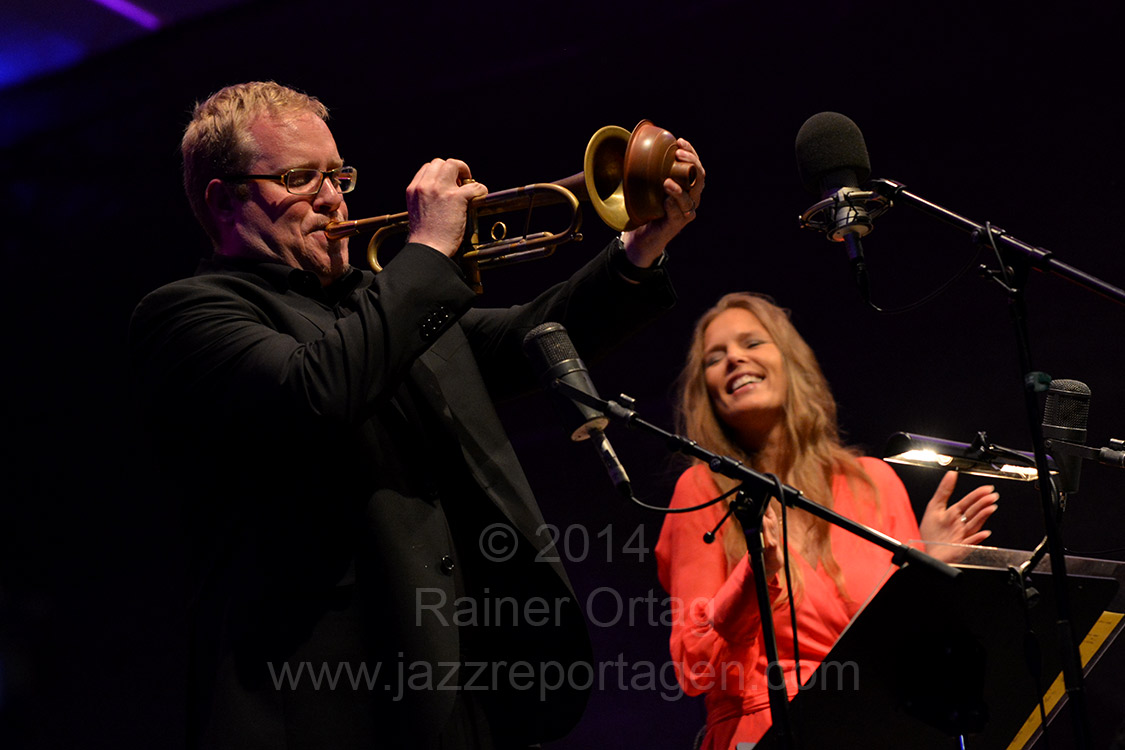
(221, 201)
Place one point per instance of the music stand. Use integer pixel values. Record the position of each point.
(929, 659)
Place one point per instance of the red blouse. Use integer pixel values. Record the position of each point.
(716, 626)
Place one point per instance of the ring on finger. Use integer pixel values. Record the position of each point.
(964, 519)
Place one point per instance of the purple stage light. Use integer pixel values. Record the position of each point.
(133, 12)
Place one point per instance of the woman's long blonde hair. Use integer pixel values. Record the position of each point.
(811, 452)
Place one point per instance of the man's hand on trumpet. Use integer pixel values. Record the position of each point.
(644, 245)
(437, 201)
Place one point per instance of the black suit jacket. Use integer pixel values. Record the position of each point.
(341, 457)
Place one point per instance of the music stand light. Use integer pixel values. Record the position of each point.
(981, 457)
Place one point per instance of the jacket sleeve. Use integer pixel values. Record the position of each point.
(715, 619)
(598, 306)
(228, 343)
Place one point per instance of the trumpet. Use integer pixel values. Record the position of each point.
(622, 177)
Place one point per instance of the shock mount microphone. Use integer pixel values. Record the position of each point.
(555, 359)
(832, 162)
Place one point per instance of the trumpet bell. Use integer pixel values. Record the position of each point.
(603, 170)
(650, 158)
(623, 174)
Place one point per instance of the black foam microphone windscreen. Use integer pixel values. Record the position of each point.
(831, 154)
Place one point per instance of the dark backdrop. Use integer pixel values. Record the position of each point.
(998, 111)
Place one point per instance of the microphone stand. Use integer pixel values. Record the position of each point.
(760, 487)
(1022, 257)
(750, 513)
(1036, 257)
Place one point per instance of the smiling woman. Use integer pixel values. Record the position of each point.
(745, 375)
(752, 389)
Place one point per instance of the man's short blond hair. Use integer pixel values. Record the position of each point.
(217, 142)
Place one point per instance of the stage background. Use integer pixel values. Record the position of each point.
(1001, 112)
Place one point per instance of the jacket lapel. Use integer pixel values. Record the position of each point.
(454, 389)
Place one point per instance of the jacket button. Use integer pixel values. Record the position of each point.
(436, 322)
(447, 565)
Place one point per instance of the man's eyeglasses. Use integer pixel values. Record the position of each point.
(304, 181)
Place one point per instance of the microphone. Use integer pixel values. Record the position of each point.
(555, 359)
(832, 161)
(1064, 418)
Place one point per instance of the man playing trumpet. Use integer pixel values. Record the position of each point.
(333, 433)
